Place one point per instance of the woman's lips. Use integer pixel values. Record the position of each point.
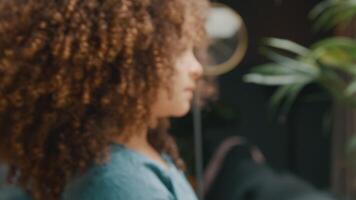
(190, 88)
(190, 92)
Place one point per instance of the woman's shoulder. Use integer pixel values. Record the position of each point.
(122, 176)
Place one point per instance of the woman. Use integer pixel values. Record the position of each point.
(86, 88)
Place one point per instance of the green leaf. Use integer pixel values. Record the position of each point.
(323, 21)
(279, 96)
(286, 45)
(333, 83)
(343, 17)
(296, 65)
(272, 69)
(292, 95)
(337, 52)
(284, 97)
(351, 88)
(276, 79)
(320, 8)
(351, 146)
(328, 14)
(344, 42)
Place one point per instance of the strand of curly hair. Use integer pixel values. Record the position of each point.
(71, 71)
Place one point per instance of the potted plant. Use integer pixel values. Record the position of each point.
(329, 63)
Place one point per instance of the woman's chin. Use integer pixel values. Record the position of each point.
(182, 111)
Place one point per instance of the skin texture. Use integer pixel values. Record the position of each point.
(74, 75)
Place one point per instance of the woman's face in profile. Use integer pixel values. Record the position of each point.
(176, 101)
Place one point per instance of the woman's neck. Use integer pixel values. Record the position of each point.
(138, 142)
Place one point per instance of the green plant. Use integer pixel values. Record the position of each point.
(331, 63)
(330, 13)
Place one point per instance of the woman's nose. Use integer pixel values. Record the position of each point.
(196, 68)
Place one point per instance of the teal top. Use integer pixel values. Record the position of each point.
(130, 175)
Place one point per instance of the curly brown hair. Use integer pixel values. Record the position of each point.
(74, 73)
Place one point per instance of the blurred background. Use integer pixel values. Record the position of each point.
(292, 96)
